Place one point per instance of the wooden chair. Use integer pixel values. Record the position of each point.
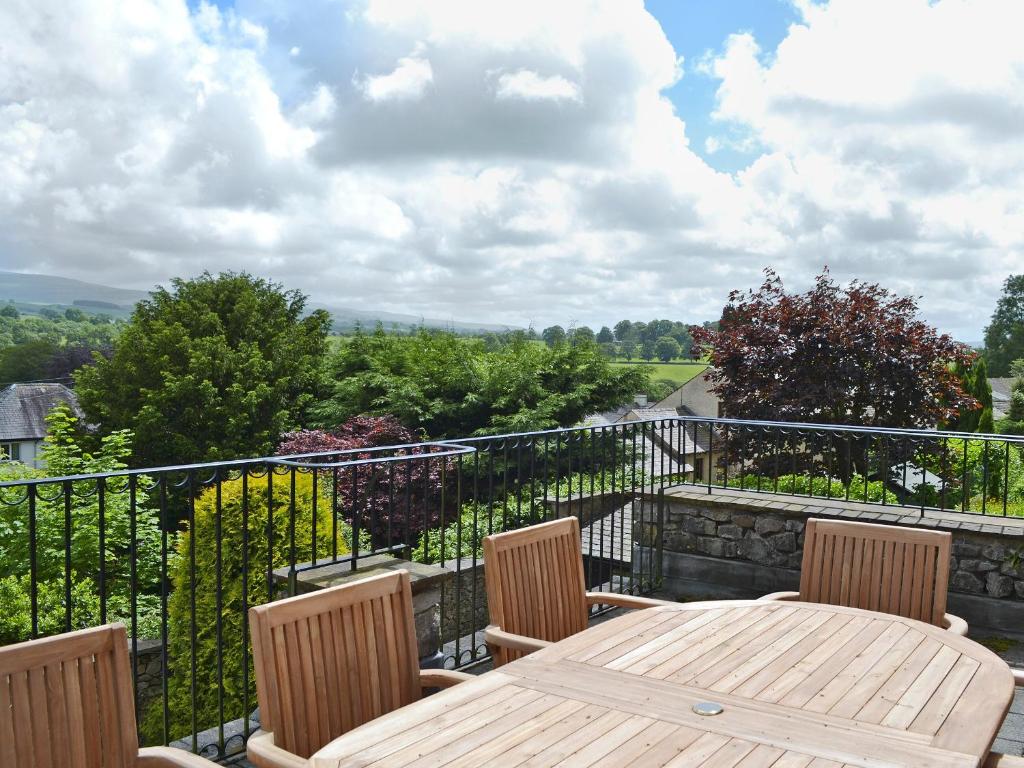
(67, 702)
(887, 568)
(332, 660)
(536, 593)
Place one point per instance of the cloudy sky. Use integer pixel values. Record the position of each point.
(519, 162)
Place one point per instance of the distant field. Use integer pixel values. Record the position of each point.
(680, 373)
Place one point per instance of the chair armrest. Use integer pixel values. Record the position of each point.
(169, 757)
(624, 601)
(262, 752)
(954, 624)
(781, 596)
(495, 636)
(442, 678)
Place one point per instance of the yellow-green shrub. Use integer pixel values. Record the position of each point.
(184, 697)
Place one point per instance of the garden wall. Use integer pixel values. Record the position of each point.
(730, 543)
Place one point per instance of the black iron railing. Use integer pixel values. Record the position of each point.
(179, 554)
(927, 469)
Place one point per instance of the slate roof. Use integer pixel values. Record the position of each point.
(1002, 388)
(23, 409)
(915, 476)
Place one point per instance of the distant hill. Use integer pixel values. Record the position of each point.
(33, 292)
(346, 318)
(30, 293)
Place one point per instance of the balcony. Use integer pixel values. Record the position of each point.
(677, 506)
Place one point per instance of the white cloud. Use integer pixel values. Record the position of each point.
(408, 80)
(508, 163)
(893, 150)
(528, 85)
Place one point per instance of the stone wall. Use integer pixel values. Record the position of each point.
(739, 529)
(148, 671)
(463, 599)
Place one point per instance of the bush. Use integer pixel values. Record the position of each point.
(16, 608)
(820, 486)
(396, 502)
(231, 651)
(64, 456)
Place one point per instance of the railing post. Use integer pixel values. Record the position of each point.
(659, 548)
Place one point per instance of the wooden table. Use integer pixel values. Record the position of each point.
(799, 684)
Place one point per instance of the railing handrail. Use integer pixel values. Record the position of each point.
(901, 431)
(457, 446)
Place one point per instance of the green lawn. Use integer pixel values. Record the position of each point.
(680, 373)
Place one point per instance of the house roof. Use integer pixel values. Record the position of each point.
(908, 477)
(677, 437)
(1002, 387)
(646, 414)
(604, 418)
(23, 409)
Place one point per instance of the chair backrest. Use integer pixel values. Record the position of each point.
(67, 702)
(535, 584)
(887, 568)
(332, 660)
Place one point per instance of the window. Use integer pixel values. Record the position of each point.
(11, 451)
(698, 469)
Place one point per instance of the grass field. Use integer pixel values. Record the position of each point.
(680, 373)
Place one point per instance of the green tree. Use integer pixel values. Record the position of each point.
(449, 386)
(974, 382)
(647, 351)
(629, 349)
(63, 456)
(9, 310)
(656, 329)
(1004, 336)
(553, 335)
(622, 329)
(215, 368)
(26, 362)
(667, 348)
(604, 336)
(583, 334)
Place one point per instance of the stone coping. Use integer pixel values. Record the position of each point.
(422, 576)
(787, 504)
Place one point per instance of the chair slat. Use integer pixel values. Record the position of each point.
(90, 711)
(8, 755)
(57, 711)
(885, 568)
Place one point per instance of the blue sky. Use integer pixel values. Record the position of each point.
(698, 27)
